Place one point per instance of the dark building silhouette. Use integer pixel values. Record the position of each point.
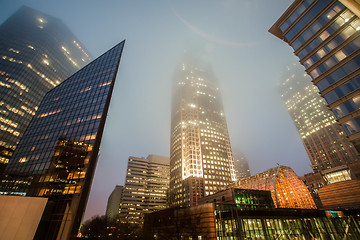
(57, 156)
(37, 52)
(201, 161)
(114, 203)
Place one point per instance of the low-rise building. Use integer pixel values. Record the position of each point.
(287, 190)
(220, 221)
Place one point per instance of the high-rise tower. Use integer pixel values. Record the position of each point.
(37, 52)
(57, 156)
(241, 165)
(201, 161)
(325, 36)
(146, 185)
(324, 140)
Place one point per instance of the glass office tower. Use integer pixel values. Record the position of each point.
(325, 36)
(201, 160)
(57, 156)
(324, 140)
(37, 52)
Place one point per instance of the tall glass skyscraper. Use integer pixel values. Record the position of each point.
(325, 36)
(57, 156)
(324, 140)
(37, 52)
(201, 160)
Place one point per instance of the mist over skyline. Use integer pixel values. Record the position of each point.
(247, 61)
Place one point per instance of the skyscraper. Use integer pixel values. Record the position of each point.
(114, 203)
(57, 156)
(37, 52)
(146, 185)
(325, 36)
(323, 139)
(201, 161)
(241, 165)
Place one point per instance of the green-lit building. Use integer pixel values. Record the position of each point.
(224, 219)
(243, 198)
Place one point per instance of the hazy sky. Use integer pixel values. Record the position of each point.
(247, 60)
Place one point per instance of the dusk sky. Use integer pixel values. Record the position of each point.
(247, 60)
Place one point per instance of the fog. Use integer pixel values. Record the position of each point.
(246, 60)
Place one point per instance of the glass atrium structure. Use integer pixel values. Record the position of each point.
(287, 190)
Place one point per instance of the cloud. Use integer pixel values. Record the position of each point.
(212, 38)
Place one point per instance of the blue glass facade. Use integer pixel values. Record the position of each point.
(37, 52)
(325, 36)
(57, 156)
(324, 140)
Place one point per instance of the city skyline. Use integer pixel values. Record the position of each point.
(163, 32)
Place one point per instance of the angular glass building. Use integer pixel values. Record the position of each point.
(324, 140)
(57, 156)
(325, 36)
(37, 52)
(201, 161)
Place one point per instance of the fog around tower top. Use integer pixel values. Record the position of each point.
(229, 36)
